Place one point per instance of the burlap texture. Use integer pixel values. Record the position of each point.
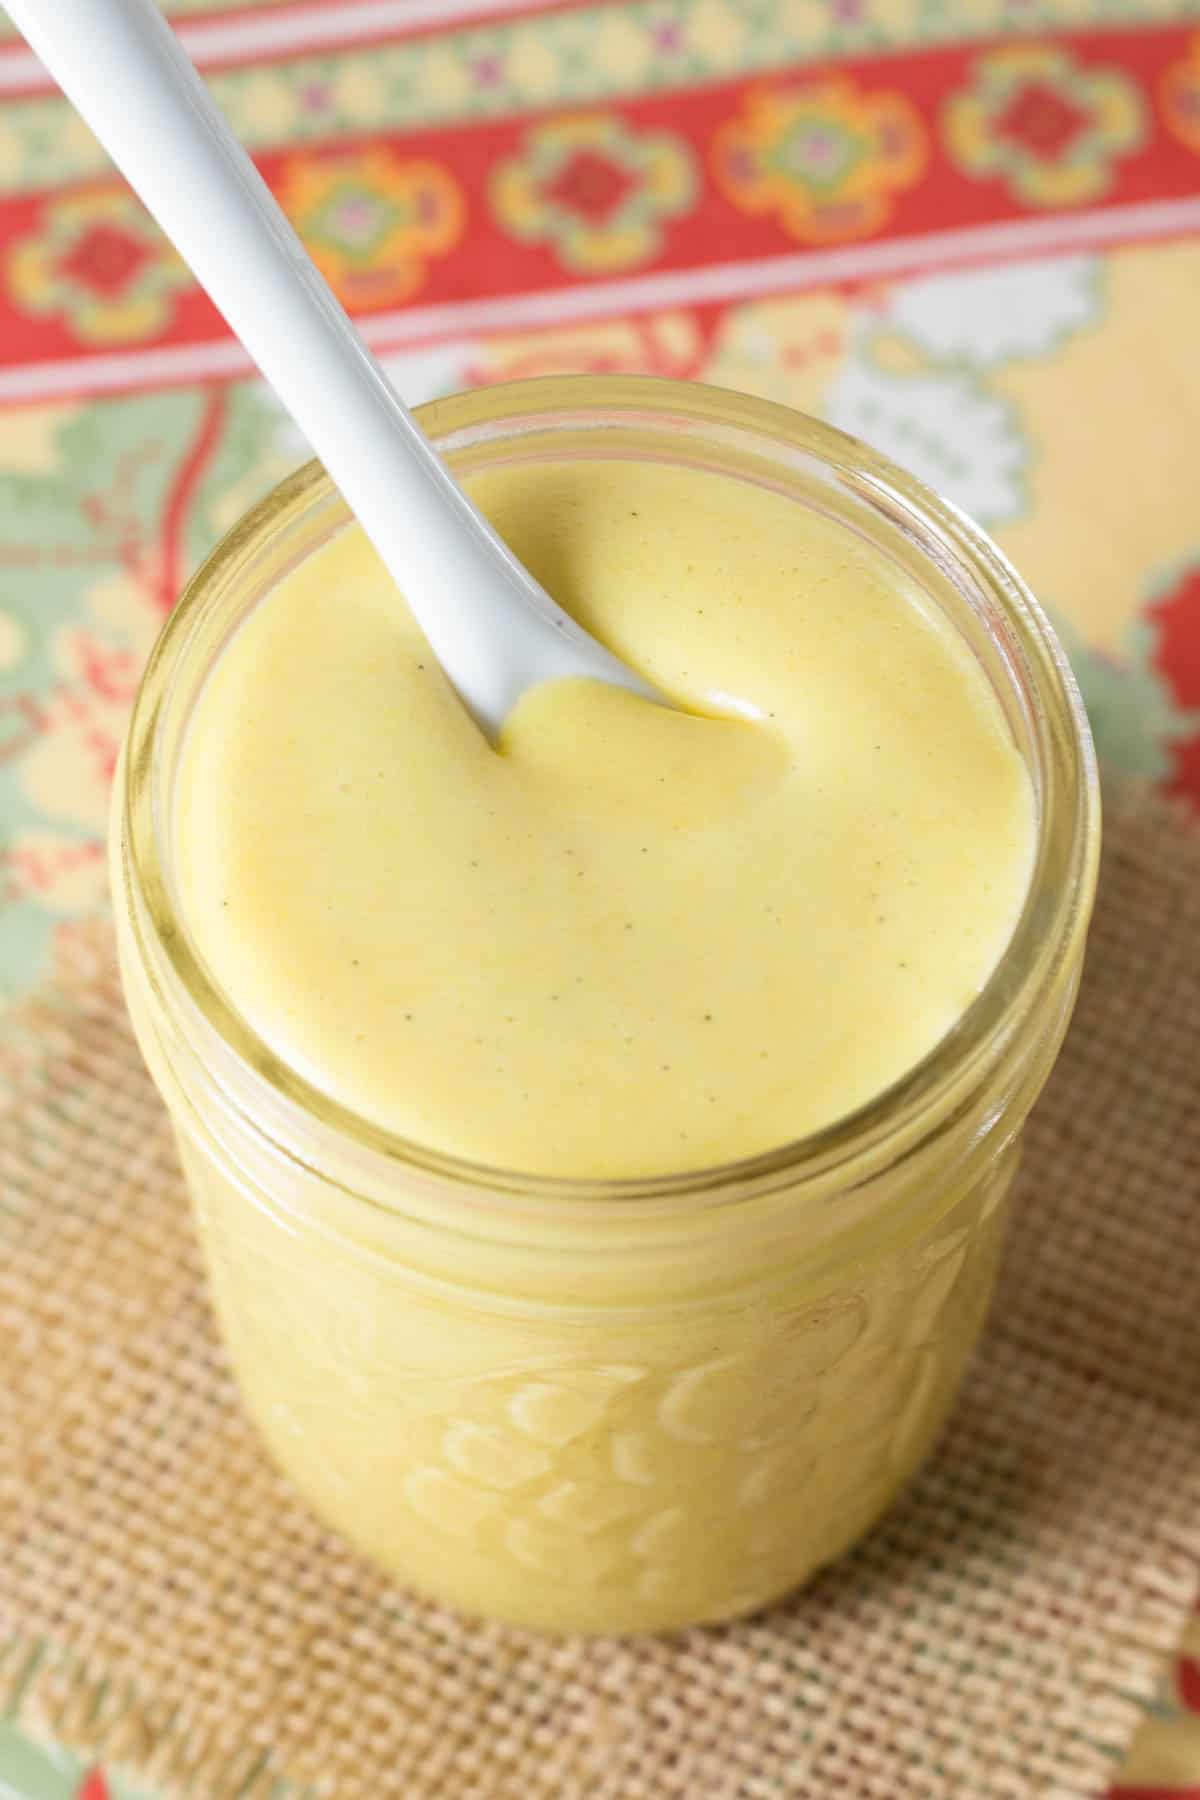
(166, 1603)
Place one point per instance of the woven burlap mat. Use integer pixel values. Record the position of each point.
(167, 1604)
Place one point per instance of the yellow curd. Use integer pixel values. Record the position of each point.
(630, 939)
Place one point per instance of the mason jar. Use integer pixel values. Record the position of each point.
(623, 1405)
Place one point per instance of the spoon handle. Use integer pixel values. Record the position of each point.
(494, 629)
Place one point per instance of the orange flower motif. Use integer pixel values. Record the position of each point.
(828, 158)
(372, 221)
(1181, 97)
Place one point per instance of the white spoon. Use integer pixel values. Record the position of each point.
(494, 629)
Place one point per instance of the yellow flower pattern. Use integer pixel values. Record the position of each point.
(100, 265)
(1050, 128)
(596, 191)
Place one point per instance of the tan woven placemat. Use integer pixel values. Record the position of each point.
(166, 1603)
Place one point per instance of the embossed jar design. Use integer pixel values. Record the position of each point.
(632, 1405)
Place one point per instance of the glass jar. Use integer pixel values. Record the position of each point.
(638, 1404)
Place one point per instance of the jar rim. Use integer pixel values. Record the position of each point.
(1042, 951)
